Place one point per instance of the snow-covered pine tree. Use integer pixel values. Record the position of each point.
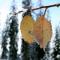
(48, 52)
(53, 53)
(4, 46)
(56, 52)
(13, 34)
(5, 36)
(13, 41)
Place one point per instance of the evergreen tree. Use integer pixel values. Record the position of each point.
(13, 38)
(13, 34)
(56, 52)
(4, 45)
(48, 53)
(5, 37)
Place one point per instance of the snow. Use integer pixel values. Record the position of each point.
(58, 56)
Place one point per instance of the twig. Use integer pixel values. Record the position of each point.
(55, 5)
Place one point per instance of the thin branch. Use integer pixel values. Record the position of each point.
(54, 5)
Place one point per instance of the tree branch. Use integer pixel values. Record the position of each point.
(54, 5)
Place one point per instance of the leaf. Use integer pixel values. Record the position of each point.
(42, 31)
(27, 29)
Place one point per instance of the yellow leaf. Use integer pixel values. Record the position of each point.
(27, 29)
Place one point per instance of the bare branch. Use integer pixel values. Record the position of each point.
(54, 5)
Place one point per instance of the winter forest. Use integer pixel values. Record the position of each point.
(29, 30)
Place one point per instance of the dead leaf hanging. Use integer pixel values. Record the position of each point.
(27, 29)
(42, 31)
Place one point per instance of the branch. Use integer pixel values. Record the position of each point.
(55, 5)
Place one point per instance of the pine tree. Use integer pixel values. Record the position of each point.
(56, 52)
(48, 54)
(5, 37)
(4, 45)
(13, 34)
